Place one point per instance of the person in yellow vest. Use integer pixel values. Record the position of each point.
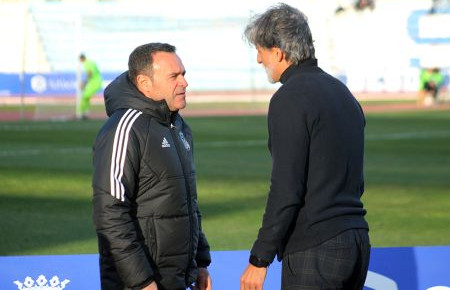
(431, 80)
(90, 86)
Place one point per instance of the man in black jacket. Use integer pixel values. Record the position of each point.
(145, 197)
(314, 218)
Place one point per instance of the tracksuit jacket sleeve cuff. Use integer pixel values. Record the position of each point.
(145, 284)
(203, 260)
(135, 270)
(258, 262)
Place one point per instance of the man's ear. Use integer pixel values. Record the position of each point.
(280, 55)
(144, 83)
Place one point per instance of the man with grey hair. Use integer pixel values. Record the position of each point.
(314, 218)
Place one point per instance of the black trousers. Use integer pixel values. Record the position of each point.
(338, 263)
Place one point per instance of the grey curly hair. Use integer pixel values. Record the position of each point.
(284, 27)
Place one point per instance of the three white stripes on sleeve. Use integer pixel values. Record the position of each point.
(119, 152)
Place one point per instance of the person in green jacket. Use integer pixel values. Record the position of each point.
(431, 80)
(91, 85)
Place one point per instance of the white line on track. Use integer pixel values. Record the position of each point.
(409, 135)
(371, 137)
(225, 144)
(41, 151)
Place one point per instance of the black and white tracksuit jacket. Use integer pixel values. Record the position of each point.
(145, 197)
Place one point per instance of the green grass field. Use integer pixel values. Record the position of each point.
(45, 181)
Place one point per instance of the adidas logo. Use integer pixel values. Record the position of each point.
(42, 283)
(165, 143)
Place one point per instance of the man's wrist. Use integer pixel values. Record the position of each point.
(258, 262)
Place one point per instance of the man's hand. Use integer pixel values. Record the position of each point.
(203, 280)
(152, 286)
(253, 278)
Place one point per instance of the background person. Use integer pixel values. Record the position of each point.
(314, 218)
(431, 80)
(145, 196)
(90, 86)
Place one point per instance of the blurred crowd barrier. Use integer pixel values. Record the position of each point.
(381, 49)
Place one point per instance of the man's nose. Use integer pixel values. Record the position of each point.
(183, 82)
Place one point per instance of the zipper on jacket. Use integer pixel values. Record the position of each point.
(173, 131)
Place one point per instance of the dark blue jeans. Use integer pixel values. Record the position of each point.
(338, 263)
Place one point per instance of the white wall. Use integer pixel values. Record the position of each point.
(372, 49)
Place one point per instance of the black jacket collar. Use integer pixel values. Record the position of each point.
(293, 69)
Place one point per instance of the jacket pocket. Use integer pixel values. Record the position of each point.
(151, 238)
